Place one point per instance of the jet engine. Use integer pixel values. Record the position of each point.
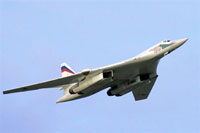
(127, 87)
(90, 83)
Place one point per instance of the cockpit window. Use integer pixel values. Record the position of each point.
(164, 45)
(166, 41)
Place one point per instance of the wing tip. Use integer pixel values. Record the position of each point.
(5, 92)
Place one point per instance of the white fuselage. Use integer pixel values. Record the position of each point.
(123, 76)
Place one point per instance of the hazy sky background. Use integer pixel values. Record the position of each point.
(37, 36)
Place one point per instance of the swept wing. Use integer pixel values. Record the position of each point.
(48, 84)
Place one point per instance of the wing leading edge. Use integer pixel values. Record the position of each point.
(48, 84)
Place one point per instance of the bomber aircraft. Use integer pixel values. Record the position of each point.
(136, 75)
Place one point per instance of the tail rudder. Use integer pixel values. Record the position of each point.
(66, 70)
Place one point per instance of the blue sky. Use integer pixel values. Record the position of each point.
(37, 36)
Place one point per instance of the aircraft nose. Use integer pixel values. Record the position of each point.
(181, 41)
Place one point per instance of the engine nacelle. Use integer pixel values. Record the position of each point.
(91, 82)
(72, 87)
(121, 90)
(109, 92)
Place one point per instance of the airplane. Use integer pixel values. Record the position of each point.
(136, 75)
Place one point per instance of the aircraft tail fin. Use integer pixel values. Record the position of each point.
(66, 70)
